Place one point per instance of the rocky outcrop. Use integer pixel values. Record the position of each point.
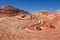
(50, 25)
(13, 21)
(10, 11)
(17, 24)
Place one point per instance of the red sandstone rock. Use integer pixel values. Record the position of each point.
(17, 24)
(13, 22)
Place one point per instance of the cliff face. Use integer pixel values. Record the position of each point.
(17, 24)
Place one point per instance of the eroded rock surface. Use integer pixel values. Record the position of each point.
(17, 24)
(13, 21)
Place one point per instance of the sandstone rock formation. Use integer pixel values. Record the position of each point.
(13, 20)
(50, 25)
(17, 24)
(11, 11)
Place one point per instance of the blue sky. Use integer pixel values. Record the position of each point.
(33, 5)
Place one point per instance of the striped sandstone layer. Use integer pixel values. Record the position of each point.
(17, 24)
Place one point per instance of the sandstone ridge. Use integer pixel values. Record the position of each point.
(10, 11)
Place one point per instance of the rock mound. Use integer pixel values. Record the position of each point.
(17, 24)
(10, 11)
